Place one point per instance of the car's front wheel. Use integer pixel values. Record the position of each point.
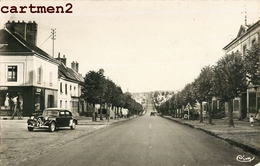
(52, 126)
(30, 128)
(73, 126)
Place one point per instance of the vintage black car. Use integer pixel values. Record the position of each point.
(52, 119)
(152, 114)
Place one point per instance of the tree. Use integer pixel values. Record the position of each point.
(117, 98)
(229, 80)
(94, 88)
(177, 103)
(203, 88)
(109, 94)
(252, 65)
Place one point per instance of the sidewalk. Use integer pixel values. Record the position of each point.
(242, 135)
(82, 120)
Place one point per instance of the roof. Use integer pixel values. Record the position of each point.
(57, 109)
(243, 30)
(13, 44)
(69, 73)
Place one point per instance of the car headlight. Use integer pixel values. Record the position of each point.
(32, 117)
(46, 118)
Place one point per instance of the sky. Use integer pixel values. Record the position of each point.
(142, 45)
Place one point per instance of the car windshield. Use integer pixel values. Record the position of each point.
(50, 113)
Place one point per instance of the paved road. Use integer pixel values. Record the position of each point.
(144, 141)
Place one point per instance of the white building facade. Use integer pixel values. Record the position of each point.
(23, 71)
(247, 36)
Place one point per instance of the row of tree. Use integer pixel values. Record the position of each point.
(100, 90)
(232, 75)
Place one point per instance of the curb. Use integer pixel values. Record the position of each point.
(246, 148)
(105, 122)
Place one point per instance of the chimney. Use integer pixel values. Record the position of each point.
(73, 65)
(31, 32)
(28, 31)
(77, 67)
(62, 60)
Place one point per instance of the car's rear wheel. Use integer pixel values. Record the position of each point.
(73, 126)
(52, 126)
(30, 128)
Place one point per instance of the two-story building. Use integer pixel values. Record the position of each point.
(248, 35)
(70, 85)
(28, 75)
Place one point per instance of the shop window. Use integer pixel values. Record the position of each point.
(50, 101)
(37, 102)
(12, 74)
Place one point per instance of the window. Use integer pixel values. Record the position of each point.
(236, 105)
(66, 90)
(60, 103)
(68, 114)
(39, 75)
(61, 87)
(244, 50)
(50, 101)
(253, 42)
(12, 73)
(62, 114)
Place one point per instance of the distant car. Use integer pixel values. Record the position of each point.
(52, 119)
(152, 114)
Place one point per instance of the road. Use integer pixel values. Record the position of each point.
(144, 141)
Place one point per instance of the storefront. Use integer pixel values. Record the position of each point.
(26, 100)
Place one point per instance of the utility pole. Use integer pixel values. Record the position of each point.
(53, 33)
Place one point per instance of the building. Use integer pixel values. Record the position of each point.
(70, 85)
(29, 76)
(249, 102)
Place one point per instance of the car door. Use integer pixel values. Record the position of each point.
(61, 119)
(68, 117)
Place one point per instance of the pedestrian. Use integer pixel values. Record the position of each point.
(251, 120)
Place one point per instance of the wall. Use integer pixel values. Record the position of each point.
(27, 71)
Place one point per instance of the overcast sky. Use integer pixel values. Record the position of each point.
(142, 45)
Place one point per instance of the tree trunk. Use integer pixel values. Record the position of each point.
(108, 112)
(209, 108)
(230, 114)
(101, 112)
(201, 113)
(94, 113)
